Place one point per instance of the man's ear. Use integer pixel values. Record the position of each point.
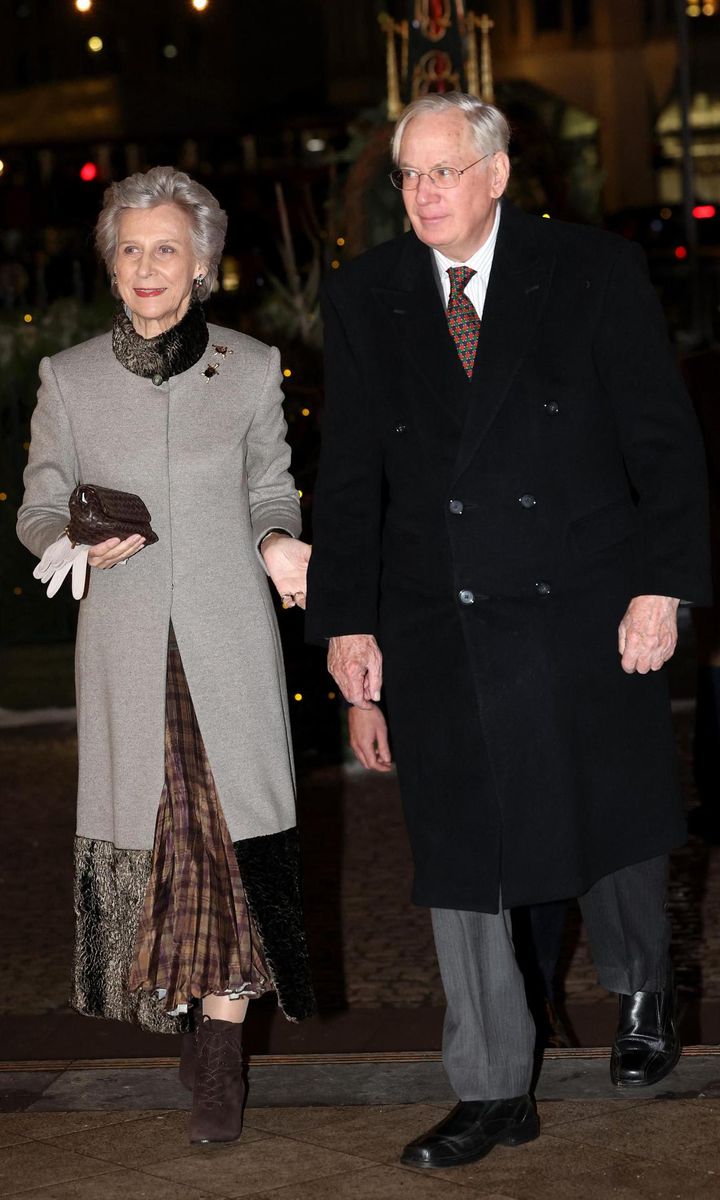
(500, 173)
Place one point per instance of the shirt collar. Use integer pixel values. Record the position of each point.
(480, 261)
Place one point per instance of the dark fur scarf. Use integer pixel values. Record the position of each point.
(167, 354)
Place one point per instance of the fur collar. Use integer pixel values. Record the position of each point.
(167, 354)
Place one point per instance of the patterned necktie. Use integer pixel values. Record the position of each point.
(463, 321)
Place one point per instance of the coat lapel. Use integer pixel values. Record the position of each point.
(418, 324)
(517, 292)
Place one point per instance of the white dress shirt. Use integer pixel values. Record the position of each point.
(480, 262)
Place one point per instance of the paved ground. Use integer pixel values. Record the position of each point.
(597, 1150)
(335, 1129)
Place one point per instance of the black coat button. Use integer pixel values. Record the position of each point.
(400, 428)
(157, 379)
(552, 407)
(527, 500)
(542, 588)
(466, 597)
(456, 506)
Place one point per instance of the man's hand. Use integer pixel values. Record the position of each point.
(355, 663)
(647, 635)
(368, 732)
(287, 561)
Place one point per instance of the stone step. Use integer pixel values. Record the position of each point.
(307, 1080)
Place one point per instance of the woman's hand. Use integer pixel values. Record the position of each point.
(109, 553)
(368, 733)
(287, 560)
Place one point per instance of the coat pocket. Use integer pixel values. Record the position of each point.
(605, 527)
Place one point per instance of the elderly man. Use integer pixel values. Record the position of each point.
(510, 505)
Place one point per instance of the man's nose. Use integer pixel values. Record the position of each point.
(427, 192)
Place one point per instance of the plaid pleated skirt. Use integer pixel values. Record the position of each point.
(195, 935)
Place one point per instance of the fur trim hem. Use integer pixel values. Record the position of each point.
(270, 872)
(110, 887)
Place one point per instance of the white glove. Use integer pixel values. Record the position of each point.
(59, 558)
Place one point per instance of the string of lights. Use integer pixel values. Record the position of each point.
(86, 6)
(96, 45)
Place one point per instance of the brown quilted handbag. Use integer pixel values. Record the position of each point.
(98, 513)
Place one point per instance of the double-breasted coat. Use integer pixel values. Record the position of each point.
(491, 534)
(206, 451)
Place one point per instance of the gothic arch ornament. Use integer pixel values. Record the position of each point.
(434, 73)
(433, 18)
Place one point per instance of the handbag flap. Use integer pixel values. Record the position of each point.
(114, 505)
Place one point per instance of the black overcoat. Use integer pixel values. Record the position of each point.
(491, 534)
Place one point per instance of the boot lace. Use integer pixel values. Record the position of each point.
(216, 1058)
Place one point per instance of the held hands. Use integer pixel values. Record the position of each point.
(355, 663)
(369, 738)
(647, 634)
(287, 561)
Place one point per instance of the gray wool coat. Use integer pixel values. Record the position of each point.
(209, 458)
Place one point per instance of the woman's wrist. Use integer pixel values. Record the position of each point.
(272, 533)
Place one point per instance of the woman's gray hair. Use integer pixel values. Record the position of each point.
(489, 126)
(165, 185)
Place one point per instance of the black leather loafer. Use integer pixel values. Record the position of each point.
(647, 1046)
(471, 1130)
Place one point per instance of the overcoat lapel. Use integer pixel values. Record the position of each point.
(517, 291)
(418, 325)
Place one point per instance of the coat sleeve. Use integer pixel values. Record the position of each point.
(660, 437)
(344, 573)
(274, 502)
(52, 472)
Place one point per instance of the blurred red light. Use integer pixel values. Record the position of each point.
(680, 252)
(702, 212)
(88, 172)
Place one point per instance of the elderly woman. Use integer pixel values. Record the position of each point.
(187, 885)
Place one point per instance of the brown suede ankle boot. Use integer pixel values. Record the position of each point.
(219, 1090)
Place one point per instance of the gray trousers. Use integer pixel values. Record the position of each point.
(489, 1035)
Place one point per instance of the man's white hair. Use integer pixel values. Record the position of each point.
(490, 128)
(165, 185)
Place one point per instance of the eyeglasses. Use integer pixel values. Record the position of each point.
(407, 179)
